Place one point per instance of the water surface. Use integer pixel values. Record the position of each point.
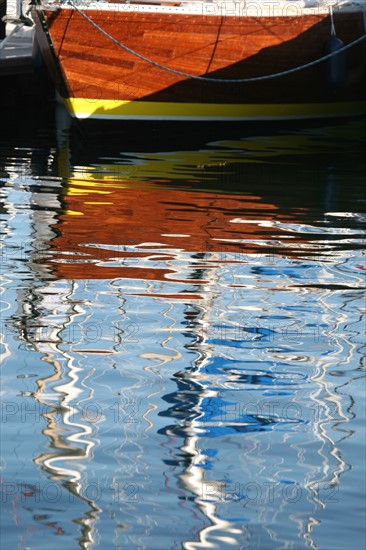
(182, 338)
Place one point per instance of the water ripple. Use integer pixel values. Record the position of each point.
(183, 332)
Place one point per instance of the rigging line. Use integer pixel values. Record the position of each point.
(215, 47)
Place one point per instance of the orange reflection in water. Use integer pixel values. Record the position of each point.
(118, 223)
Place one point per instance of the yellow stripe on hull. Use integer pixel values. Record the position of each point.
(110, 109)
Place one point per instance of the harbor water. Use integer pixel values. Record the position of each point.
(182, 336)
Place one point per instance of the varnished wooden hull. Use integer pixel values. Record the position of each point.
(97, 78)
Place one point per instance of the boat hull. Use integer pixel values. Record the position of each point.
(161, 75)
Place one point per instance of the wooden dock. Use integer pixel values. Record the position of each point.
(16, 40)
(16, 56)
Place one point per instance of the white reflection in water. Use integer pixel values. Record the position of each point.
(255, 418)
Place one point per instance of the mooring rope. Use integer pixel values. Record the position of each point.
(218, 80)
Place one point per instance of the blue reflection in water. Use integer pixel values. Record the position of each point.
(196, 398)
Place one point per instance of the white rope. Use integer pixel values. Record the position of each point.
(332, 30)
(218, 80)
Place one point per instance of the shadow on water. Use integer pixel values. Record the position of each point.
(197, 283)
